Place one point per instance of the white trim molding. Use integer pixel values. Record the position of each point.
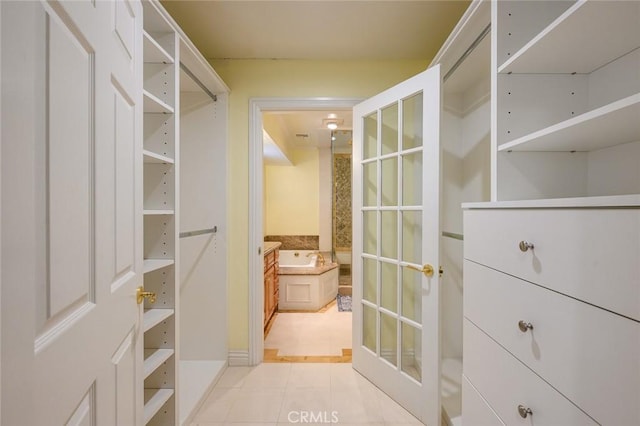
(256, 234)
(238, 358)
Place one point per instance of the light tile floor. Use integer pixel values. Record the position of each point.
(314, 333)
(278, 394)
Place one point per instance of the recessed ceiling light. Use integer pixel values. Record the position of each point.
(332, 123)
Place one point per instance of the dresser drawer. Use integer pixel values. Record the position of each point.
(505, 383)
(589, 254)
(581, 350)
(475, 410)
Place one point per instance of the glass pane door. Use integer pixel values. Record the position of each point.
(392, 241)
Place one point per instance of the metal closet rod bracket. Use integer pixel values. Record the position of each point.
(199, 232)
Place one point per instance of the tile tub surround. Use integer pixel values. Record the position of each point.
(316, 270)
(307, 288)
(310, 291)
(295, 242)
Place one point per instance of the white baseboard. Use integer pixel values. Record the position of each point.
(238, 358)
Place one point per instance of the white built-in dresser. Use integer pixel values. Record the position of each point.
(552, 265)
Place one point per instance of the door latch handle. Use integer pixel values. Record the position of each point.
(141, 294)
(426, 269)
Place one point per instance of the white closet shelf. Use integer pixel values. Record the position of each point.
(154, 22)
(150, 265)
(153, 358)
(587, 36)
(158, 212)
(152, 157)
(610, 125)
(152, 104)
(154, 399)
(153, 52)
(153, 317)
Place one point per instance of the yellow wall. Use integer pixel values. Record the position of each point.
(292, 205)
(281, 78)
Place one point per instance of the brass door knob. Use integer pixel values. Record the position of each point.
(141, 294)
(524, 411)
(524, 326)
(524, 246)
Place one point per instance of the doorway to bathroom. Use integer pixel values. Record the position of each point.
(305, 212)
(307, 233)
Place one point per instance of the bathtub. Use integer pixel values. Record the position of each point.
(304, 284)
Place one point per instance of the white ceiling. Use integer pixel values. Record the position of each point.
(305, 129)
(308, 29)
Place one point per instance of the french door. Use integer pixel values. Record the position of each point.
(396, 169)
(71, 201)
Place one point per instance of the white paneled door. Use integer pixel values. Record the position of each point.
(71, 233)
(396, 182)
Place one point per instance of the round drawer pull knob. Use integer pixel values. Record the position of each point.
(524, 411)
(524, 246)
(524, 326)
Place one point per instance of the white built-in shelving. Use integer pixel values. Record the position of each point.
(153, 317)
(185, 101)
(160, 367)
(153, 104)
(158, 212)
(153, 52)
(154, 400)
(587, 36)
(154, 358)
(566, 99)
(151, 265)
(152, 157)
(565, 158)
(613, 124)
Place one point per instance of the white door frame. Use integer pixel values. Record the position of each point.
(256, 263)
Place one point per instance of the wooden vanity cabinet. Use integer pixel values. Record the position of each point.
(271, 284)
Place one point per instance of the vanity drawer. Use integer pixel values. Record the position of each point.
(475, 410)
(505, 383)
(581, 350)
(589, 254)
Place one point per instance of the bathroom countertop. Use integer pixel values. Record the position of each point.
(270, 246)
(307, 271)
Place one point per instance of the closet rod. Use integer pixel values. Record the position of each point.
(199, 232)
(467, 52)
(453, 235)
(198, 82)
